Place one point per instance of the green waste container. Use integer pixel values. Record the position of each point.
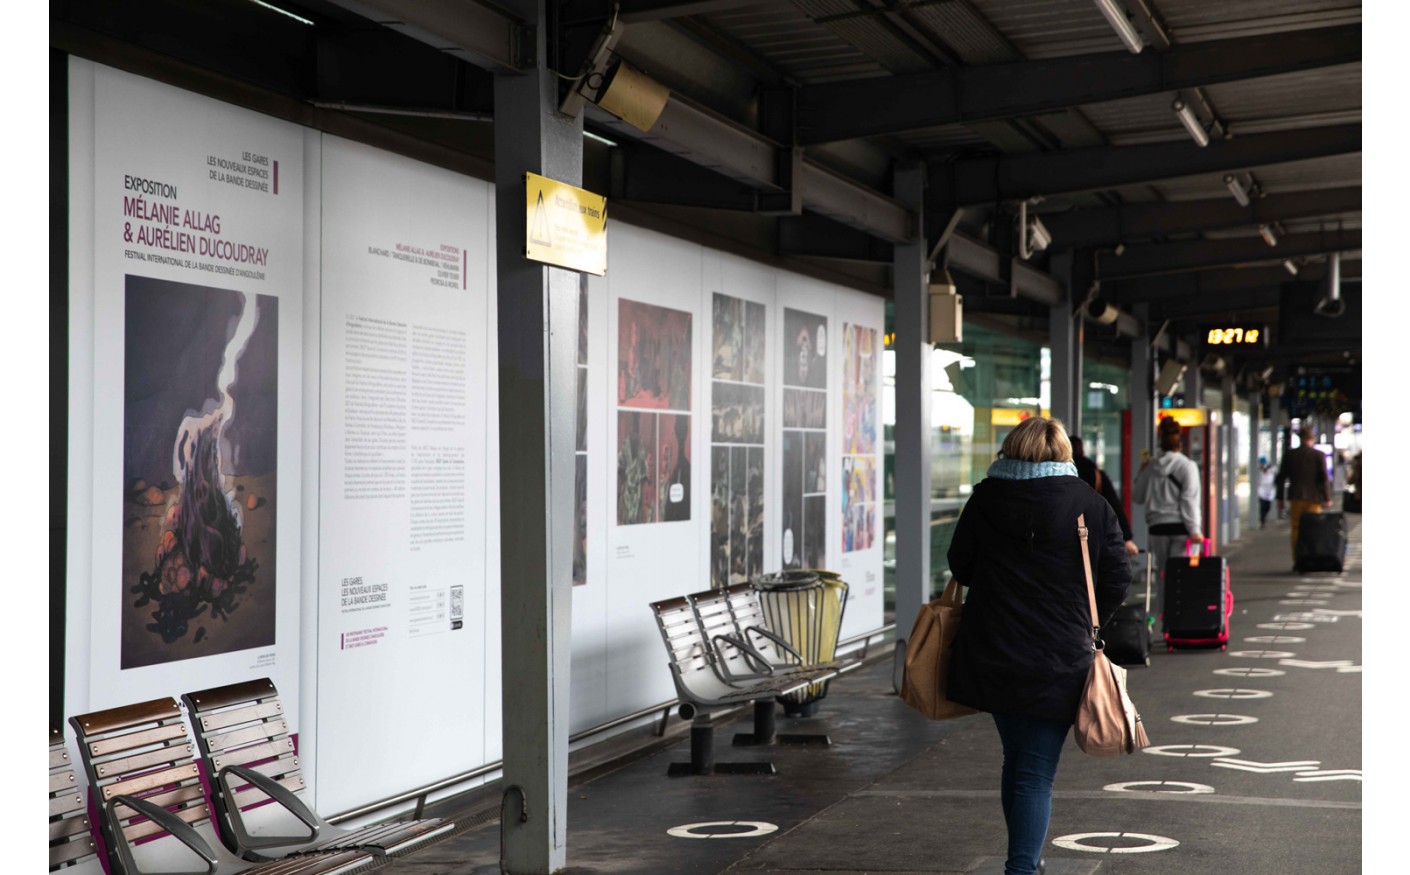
(805, 609)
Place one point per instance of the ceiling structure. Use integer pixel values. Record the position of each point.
(787, 120)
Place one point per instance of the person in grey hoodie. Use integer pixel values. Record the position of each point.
(1169, 487)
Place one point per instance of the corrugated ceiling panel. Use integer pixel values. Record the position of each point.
(1145, 119)
(867, 33)
(963, 29)
(944, 138)
(1051, 28)
(1338, 172)
(1196, 20)
(1310, 92)
(786, 39)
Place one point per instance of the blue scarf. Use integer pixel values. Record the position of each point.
(1017, 469)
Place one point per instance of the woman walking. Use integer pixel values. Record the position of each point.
(1025, 646)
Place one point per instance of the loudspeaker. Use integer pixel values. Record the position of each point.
(632, 96)
(1170, 374)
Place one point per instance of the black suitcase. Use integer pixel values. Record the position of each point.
(1321, 542)
(1127, 635)
(1198, 602)
(1350, 502)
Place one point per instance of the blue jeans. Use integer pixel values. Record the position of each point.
(1031, 751)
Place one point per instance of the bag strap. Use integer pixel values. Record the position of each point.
(1087, 569)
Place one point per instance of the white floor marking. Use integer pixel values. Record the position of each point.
(1349, 669)
(1159, 787)
(1315, 587)
(1328, 612)
(1275, 639)
(1304, 602)
(1191, 750)
(1234, 694)
(1288, 627)
(1266, 768)
(1305, 617)
(754, 829)
(1319, 596)
(1250, 672)
(1262, 654)
(1214, 719)
(1329, 775)
(1076, 842)
(1339, 664)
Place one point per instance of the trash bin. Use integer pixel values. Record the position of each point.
(805, 609)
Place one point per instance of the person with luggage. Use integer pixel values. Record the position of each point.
(1024, 649)
(1169, 487)
(1303, 479)
(1089, 473)
(1267, 489)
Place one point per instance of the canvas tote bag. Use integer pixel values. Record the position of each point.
(928, 656)
(1107, 722)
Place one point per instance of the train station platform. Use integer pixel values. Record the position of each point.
(1247, 773)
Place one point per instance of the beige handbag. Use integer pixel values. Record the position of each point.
(928, 657)
(1107, 722)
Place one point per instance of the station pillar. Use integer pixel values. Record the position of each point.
(911, 278)
(1228, 442)
(1065, 340)
(537, 331)
(1255, 474)
(1140, 389)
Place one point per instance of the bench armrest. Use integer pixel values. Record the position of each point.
(178, 828)
(777, 640)
(276, 791)
(749, 652)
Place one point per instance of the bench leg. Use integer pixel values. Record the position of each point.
(765, 717)
(702, 755)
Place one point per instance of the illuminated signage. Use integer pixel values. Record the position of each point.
(1186, 416)
(1236, 335)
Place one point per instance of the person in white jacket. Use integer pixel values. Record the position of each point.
(1267, 489)
(1169, 487)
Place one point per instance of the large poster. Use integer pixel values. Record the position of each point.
(186, 287)
(859, 380)
(653, 416)
(805, 467)
(402, 452)
(737, 440)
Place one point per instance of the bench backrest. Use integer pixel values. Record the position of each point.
(684, 641)
(141, 750)
(70, 838)
(712, 612)
(243, 725)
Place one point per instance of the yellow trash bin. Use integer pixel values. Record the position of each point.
(805, 609)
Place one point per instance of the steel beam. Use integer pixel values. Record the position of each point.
(1219, 280)
(1185, 255)
(817, 236)
(888, 105)
(483, 35)
(641, 174)
(634, 11)
(1108, 226)
(985, 181)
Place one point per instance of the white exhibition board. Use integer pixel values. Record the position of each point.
(402, 498)
(186, 284)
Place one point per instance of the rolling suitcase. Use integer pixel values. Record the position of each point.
(1127, 635)
(1321, 542)
(1198, 601)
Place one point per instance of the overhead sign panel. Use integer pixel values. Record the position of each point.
(566, 226)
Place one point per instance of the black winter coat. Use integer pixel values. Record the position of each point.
(1025, 646)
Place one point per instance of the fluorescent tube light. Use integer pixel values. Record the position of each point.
(1191, 122)
(272, 8)
(591, 136)
(1290, 266)
(1116, 17)
(1266, 232)
(1038, 235)
(1237, 189)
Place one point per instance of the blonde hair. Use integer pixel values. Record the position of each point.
(1038, 439)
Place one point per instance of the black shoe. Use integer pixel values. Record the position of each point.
(1042, 866)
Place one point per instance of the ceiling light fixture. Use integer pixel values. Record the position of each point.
(1266, 232)
(1121, 23)
(1191, 122)
(1290, 266)
(1237, 189)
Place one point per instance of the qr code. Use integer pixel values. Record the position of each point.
(457, 607)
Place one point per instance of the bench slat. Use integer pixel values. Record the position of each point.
(126, 765)
(240, 756)
(250, 794)
(58, 756)
(170, 797)
(70, 851)
(128, 716)
(232, 694)
(135, 740)
(60, 781)
(194, 814)
(151, 781)
(225, 740)
(67, 827)
(61, 805)
(281, 768)
(222, 719)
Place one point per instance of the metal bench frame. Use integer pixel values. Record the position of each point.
(70, 834)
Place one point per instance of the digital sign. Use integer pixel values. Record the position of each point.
(1236, 335)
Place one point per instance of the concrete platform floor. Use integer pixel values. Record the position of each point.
(1256, 770)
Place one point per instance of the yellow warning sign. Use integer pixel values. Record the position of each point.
(565, 226)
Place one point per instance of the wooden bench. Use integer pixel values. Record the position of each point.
(141, 768)
(701, 688)
(70, 837)
(245, 745)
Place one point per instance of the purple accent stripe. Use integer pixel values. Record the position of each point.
(464, 265)
(276, 177)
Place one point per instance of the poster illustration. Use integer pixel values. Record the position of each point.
(653, 417)
(200, 421)
(859, 415)
(580, 467)
(858, 503)
(737, 434)
(805, 472)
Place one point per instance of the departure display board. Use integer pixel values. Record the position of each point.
(1236, 336)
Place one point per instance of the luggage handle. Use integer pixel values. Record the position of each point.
(1195, 549)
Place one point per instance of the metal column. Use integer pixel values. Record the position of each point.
(911, 278)
(538, 329)
(1140, 389)
(1229, 500)
(1065, 338)
(1255, 474)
